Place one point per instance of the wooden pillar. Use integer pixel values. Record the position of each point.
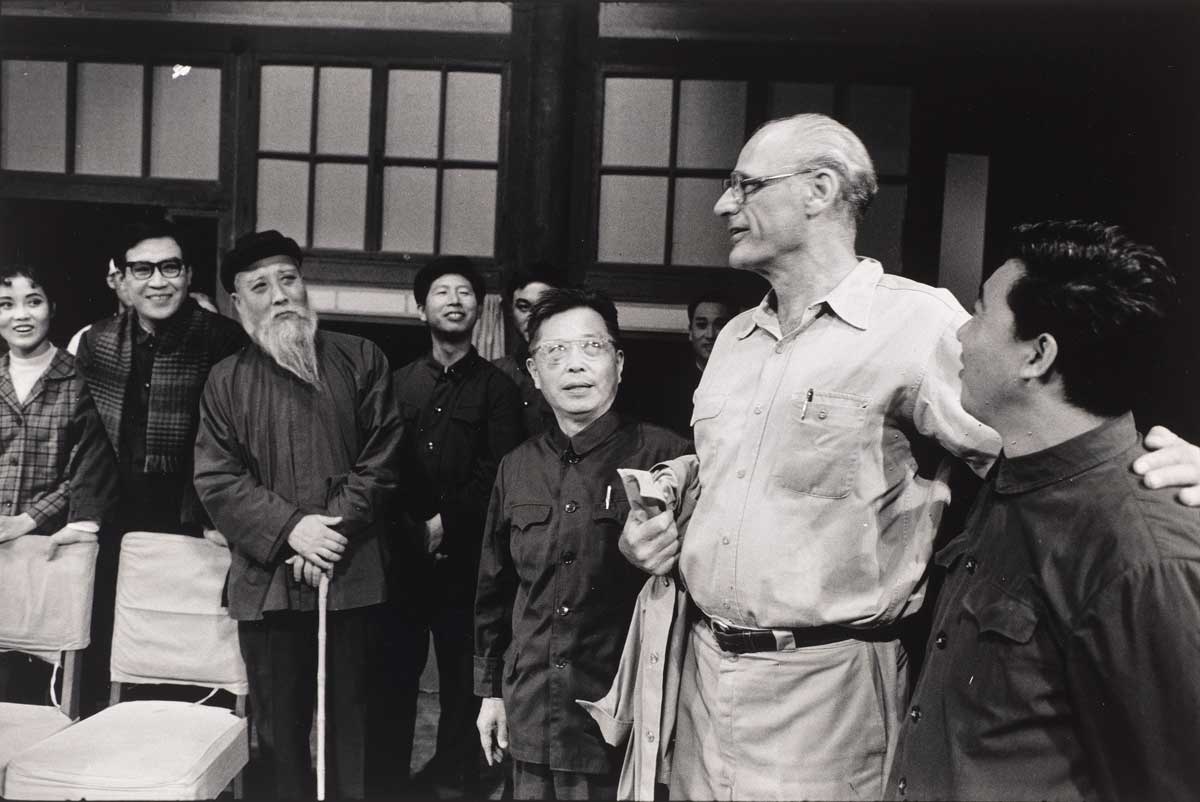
(547, 82)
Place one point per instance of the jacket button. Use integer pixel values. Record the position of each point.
(563, 610)
(654, 658)
(939, 640)
(649, 737)
(560, 663)
(902, 786)
(568, 558)
(571, 506)
(970, 565)
(915, 713)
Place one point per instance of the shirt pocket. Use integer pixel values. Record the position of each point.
(530, 541)
(708, 425)
(469, 416)
(1012, 667)
(822, 445)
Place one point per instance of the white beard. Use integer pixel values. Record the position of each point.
(291, 342)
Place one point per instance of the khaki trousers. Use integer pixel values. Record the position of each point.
(818, 722)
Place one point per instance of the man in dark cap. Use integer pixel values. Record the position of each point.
(461, 415)
(145, 369)
(296, 463)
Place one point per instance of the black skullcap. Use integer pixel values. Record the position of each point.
(445, 265)
(249, 248)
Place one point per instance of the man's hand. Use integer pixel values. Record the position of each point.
(492, 724)
(67, 535)
(313, 540)
(1172, 462)
(14, 526)
(213, 536)
(434, 532)
(304, 571)
(651, 544)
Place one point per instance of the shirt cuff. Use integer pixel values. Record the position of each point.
(489, 680)
(84, 526)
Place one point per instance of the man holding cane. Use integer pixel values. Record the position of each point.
(295, 464)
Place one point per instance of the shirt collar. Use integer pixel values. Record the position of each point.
(459, 369)
(1065, 460)
(850, 300)
(594, 435)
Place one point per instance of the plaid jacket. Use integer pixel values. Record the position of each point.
(55, 460)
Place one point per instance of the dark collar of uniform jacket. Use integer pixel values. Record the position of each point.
(1065, 460)
(460, 369)
(595, 434)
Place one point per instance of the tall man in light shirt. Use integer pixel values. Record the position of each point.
(821, 427)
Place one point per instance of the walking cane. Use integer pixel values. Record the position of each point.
(322, 608)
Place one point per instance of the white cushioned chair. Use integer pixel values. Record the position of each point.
(37, 618)
(169, 627)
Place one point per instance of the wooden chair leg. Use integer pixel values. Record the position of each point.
(71, 685)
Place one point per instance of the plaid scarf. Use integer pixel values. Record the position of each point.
(176, 381)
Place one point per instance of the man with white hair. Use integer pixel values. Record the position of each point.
(820, 425)
(295, 462)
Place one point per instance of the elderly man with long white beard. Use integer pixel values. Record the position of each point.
(295, 462)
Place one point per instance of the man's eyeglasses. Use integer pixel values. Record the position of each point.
(743, 187)
(170, 268)
(554, 352)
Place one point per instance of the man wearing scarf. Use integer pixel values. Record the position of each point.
(145, 369)
(295, 461)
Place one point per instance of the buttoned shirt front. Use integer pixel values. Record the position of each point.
(820, 456)
(459, 421)
(1062, 660)
(555, 595)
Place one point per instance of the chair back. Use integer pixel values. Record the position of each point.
(170, 625)
(46, 603)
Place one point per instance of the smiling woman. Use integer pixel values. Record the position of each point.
(58, 477)
(25, 312)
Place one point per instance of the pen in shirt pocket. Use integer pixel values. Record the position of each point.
(807, 400)
(607, 496)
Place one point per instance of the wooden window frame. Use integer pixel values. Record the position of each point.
(238, 50)
(372, 265)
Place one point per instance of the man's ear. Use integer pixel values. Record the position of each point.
(620, 364)
(531, 366)
(1041, 353)
(421, 313)
(237, 303)
(823, 191)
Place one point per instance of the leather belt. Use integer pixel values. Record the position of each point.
(744, 640)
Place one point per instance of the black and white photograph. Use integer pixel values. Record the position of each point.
(600, 399)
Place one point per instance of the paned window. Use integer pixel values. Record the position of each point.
(668, 142)
(380, 158)
(140, 120)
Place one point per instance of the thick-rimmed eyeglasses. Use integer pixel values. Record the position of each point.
(743, 187)
(170, 268)
(554, 352)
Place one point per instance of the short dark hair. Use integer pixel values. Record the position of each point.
(528, 273)
(443, 266)
(711, 298)
(36, 276)
(1103, 297)
(144, 229)
(558, 300)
